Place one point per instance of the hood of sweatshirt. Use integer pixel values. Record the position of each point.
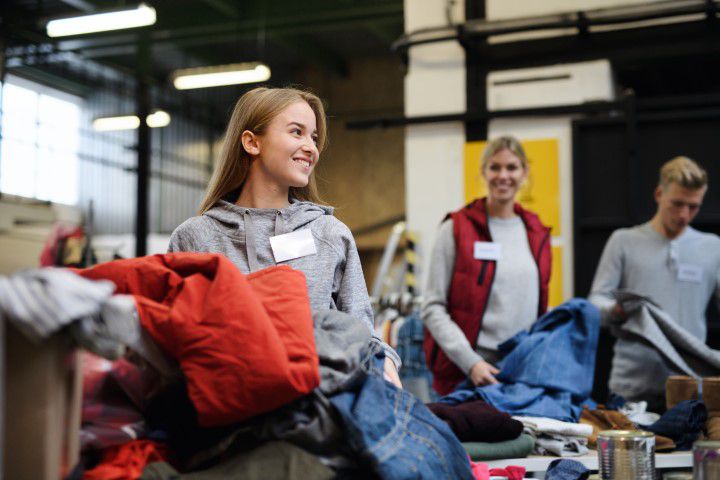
(250, 224)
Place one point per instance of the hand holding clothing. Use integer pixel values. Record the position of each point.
(390, 373)
(482, 373)
(618, 313)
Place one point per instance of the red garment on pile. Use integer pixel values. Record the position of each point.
(63, 247)
(481, 471)
(245, 343)
(127, 461)
(113, 398)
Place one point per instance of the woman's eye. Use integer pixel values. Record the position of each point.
(296, 131)
(315, 139)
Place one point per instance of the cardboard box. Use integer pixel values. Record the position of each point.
(42, 407)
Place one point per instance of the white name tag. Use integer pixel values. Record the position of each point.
(487, 251)
(690, 273)
(299, 243)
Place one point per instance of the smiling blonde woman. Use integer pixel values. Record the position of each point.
(262, 203)
(489, 274)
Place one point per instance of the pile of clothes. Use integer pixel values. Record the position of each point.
(542, 404)
(219, 372)
(545, 380)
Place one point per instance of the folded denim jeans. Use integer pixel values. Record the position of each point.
(567, 470)
(683, 423)
(393, 431)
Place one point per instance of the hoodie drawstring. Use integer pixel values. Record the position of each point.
(251, 251)
(250, 247)
(279, 224)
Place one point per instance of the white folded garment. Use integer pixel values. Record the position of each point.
(555, 427)
(638, 414)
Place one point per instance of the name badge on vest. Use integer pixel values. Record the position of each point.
(487, 251)
(299, 243)
(689, 273)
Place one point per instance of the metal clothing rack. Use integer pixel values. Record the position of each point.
(399, 291)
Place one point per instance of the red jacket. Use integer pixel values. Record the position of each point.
(245, 343)
(472, 281)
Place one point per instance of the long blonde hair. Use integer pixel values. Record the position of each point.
(254, 111)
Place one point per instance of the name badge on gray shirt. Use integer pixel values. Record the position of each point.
(487, 251)
(688, 272)
(299, 243)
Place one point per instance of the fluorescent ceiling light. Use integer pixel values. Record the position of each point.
(107, 124)
(234, 74)
(156, 119)
(140, 16)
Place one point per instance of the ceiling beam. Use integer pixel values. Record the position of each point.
(385, 32)
(312, 52)
(60, 80)
(82, 5)
(208, 34)
(223, 6)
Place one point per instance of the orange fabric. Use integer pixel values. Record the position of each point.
(602, 419)
(244, 343)
(127, 461)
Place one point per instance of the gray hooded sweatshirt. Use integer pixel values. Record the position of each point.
(334, 274)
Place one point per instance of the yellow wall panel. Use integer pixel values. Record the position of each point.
(540, 193)
(556, 279)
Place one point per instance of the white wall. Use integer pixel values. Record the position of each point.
(504, 9)
(435, 84)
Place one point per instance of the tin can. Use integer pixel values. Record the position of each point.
(626, 455)
(706, 460)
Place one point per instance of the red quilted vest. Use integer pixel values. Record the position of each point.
(472, 280)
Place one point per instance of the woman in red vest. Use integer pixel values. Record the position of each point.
(489, 274)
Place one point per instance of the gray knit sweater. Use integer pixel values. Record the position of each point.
(642, 261)
(334, 274)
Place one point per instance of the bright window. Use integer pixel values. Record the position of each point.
(40, 142)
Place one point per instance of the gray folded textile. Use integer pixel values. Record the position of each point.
(339, 339)
(560, 445)
(649, 324)
(310, 421)
(41, 302)
(107, 332)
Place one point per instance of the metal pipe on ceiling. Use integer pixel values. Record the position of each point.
(582, 21)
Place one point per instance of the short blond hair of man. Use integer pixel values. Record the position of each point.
(683, 171)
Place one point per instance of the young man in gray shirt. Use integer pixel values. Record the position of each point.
(668, 261)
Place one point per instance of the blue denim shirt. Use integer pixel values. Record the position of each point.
(410, 348)
(548, 371)
(394, 432)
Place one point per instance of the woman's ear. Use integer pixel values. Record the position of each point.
(250, 142)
